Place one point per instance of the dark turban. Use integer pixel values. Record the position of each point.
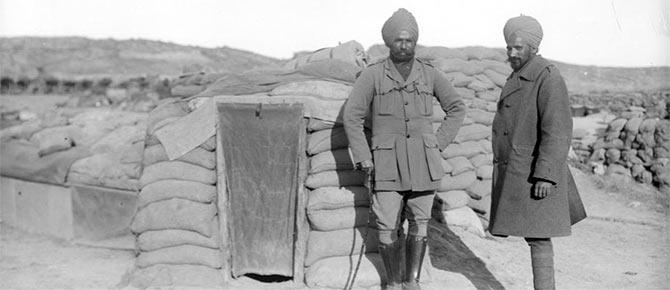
(399, 21)
(525, 27)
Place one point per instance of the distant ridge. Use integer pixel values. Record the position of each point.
(79, 57)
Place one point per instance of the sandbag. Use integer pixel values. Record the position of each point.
(335, 178)
(105, 170)
(614, 129)
(479, 85)
(318, 88)
(446, 166)
(466, 218)
(437, 52)
(487, 146)
(465, 93)
(172, 188)
(119, 139)
(459, 164)
(480, 159)
(154, 240)
(460, 181)
(482, 53)
(612, 155)
(502, 67)
(334, 272)
(453, 199)
(209, 144)
(184, 254)
(645, 134)
(315, 124)
(338, 219)
(172, 108)
(484, 172)
(186, 90)
(324, 140)
(175, 213)
(472, 132)
(350, 52)
(345, 242)
(165, 275)
(339, 159)
(632, 127)
(459, 79)
(466, 149)
(54, 143)
(198, 156)
(497, 78)
(479, 189)
(177, 170)
(481, 206)
(325, 198)
(489, 95)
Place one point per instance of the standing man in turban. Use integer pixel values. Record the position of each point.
(534, 195)
(404, 156)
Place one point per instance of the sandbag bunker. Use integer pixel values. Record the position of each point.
(251, 174)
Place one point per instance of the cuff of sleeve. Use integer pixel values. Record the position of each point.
(544, 170)
(360, 155)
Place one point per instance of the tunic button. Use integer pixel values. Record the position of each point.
(506, 105)
(406, 119)
(407, 136)
(406, 103)
(505, 162)
(505, 133)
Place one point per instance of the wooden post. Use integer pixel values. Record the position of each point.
(222, 203)
(302, 226)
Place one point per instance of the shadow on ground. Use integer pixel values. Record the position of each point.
(449, 253)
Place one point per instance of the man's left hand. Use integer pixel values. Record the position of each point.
(542, 189)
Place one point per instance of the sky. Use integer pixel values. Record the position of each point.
(627, 33)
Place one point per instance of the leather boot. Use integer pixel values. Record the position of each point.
(416, 250)
(391, 258)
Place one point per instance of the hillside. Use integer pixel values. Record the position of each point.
(78, 57)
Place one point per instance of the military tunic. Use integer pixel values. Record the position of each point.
(532, 131)
(404, 148)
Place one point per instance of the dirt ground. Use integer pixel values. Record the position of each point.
(622, 245)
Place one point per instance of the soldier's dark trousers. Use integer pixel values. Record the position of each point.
(542, 259)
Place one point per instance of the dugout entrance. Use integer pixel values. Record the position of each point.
(262, 148)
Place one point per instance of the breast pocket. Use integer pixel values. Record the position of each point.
(433, 157)
(384, 154)
(424, 100)
(385, 100)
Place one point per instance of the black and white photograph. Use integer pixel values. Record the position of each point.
(313, 144)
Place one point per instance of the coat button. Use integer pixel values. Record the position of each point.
(406, 119)
(505, 133)
(407, 136)
(506, 105)
(406, 103)
(505, 162)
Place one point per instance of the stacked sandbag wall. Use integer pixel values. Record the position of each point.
(338, 212)
(478, 74)
(176, 224)
(633, 146)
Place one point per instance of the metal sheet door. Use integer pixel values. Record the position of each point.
(260, 145)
